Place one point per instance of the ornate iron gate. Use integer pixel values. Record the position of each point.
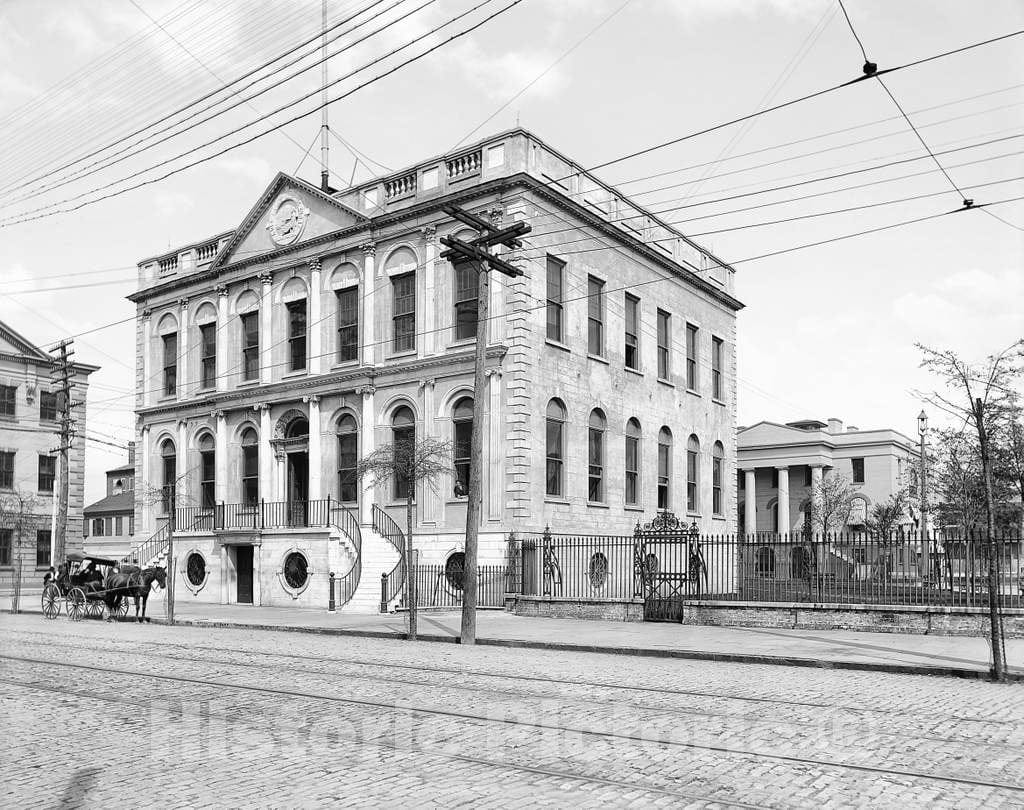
(668, 566)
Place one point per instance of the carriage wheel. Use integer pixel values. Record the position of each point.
(51, 601)
(76, 604)
(123, 606)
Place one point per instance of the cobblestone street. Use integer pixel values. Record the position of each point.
(99, 715)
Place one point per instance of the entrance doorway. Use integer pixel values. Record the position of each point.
(244, 574)
(298, 489)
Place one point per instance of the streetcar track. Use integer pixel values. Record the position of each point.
(532, 769)
(377, 678)
(544, 679)
(526, 724)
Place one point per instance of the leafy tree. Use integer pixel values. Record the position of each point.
(831, 503)
(19, 513)
(886, 517)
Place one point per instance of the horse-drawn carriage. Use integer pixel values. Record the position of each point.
(87, 585)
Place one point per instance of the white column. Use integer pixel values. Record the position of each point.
(366, 446)
(223, 337)
(750, 501)
(816, 475)
(183, 489)
(266, 326)
(432, 340)
(266, 453)
(494, 455)
(145, 486)
(221, 449)
(426, 497)
(314, 329)
(785, 524)
(368, 326)
(224, 575)
(257, 571)
(315, 449)
(149, 387)
(183, 344)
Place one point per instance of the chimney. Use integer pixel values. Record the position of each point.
(852, 428)
(835, 426)
(131, 453)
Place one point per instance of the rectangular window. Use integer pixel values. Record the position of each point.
(108, 526)
(43, 538)
(250, 345)
(691, 481)
(467, 282)
(119, 526)
(404, 317)
(6, 470)
(632, 348)
(208, 479)
(131, 524)
(6, 543)
(632, 470)
(48, 406)
(348, 324)
(47, 472)
(7, 400)
(170, 364)
(858, 470)
(716, 368)
(595, 316)
(691, 357)
(348, 460)
(556, 270)
(716, 485)
(807, 476)
(85, 527)
(208, 354)
(664, 340)
(250, 473)
(775, 478)
(664, 471)
(97, 527)
(296, 335)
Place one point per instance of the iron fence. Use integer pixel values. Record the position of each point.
(571, 566)
(257, 515)
(440, 586)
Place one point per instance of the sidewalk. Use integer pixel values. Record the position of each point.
(958, 656)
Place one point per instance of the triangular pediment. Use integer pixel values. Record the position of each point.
(287, 214)
(768, 433)
(13, 343)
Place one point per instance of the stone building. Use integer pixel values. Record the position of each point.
(109, 524)
(274, 356)
(29, 467)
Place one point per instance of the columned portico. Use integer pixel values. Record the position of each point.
(750, 502)
(785, 524)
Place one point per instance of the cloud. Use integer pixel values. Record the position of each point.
(500, 75)
(173, 203)
(253, 169)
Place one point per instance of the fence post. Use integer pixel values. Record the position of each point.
(330, 600)
(384, 592)
(327, 517)
(546, 561)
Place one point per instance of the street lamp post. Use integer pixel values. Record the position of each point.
(922, 431)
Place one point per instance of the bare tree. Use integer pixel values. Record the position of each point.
(885, 519)
(981, 396)
(1010, 461)
(412, 461)
(18, 513)
(831, 503)
(958, 481)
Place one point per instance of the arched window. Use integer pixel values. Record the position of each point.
(401, 268)
(467, 285)
(555, 448)
(297, 428)
(765, 565)
(207, 471)
(345, 283)
(462, 419)
(169, 474)
(250, 467)
(664, 468)
(717, 471)
(595, 457)
(206, 320)
(348, 458)
(632, 462)
(692, 474)
(403, 429)
(773, 512)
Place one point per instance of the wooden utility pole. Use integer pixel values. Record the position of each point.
(61, 373)
(476, 252)
(171, 528)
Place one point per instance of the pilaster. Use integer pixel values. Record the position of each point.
(494, 454)
(266, 326)
(144, 484)
(183, 344)
(221, 448)
(314, 329)
(223, 333)
(184, 478)
(150, 383)
(369, 327)
(367, 443)
(428, 497)
(431, 310)
(315, 448)
(266, 458)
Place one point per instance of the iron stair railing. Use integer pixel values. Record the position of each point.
(392, 582)
(347, 523)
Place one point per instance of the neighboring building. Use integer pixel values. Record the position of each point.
(779, 465)
(29, 465)
(272, 357)
(109, 523)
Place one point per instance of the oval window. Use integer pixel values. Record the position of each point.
(454, 567)
(296, 570)
(195, 569)
(598, 570)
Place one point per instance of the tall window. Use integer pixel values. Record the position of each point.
(43, 539)
(6, 470)
(119, 525)
(858, 470)
(664, 468)
(595, 316)
(691, 357)
(632, 462)
(348, 324)
(716, 368)
(250, 466)
(170, 364)
(462, 417)
(47, 406)
(296, 335)
(6, 545)
(717, 471)
(692, 472)
(555, 448)
(208, 354)
(403, 428)
(7, 400)
(467, 284)
(250, 345)
(404, 317)
(348, 459)
(664, 341)
(47, 471)
(556, 271)
(632, 348)
(595, 457)
(169, 468)
(207, 472)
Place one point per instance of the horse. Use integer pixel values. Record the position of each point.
(133, 582)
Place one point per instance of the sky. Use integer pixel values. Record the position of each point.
(827, 331)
